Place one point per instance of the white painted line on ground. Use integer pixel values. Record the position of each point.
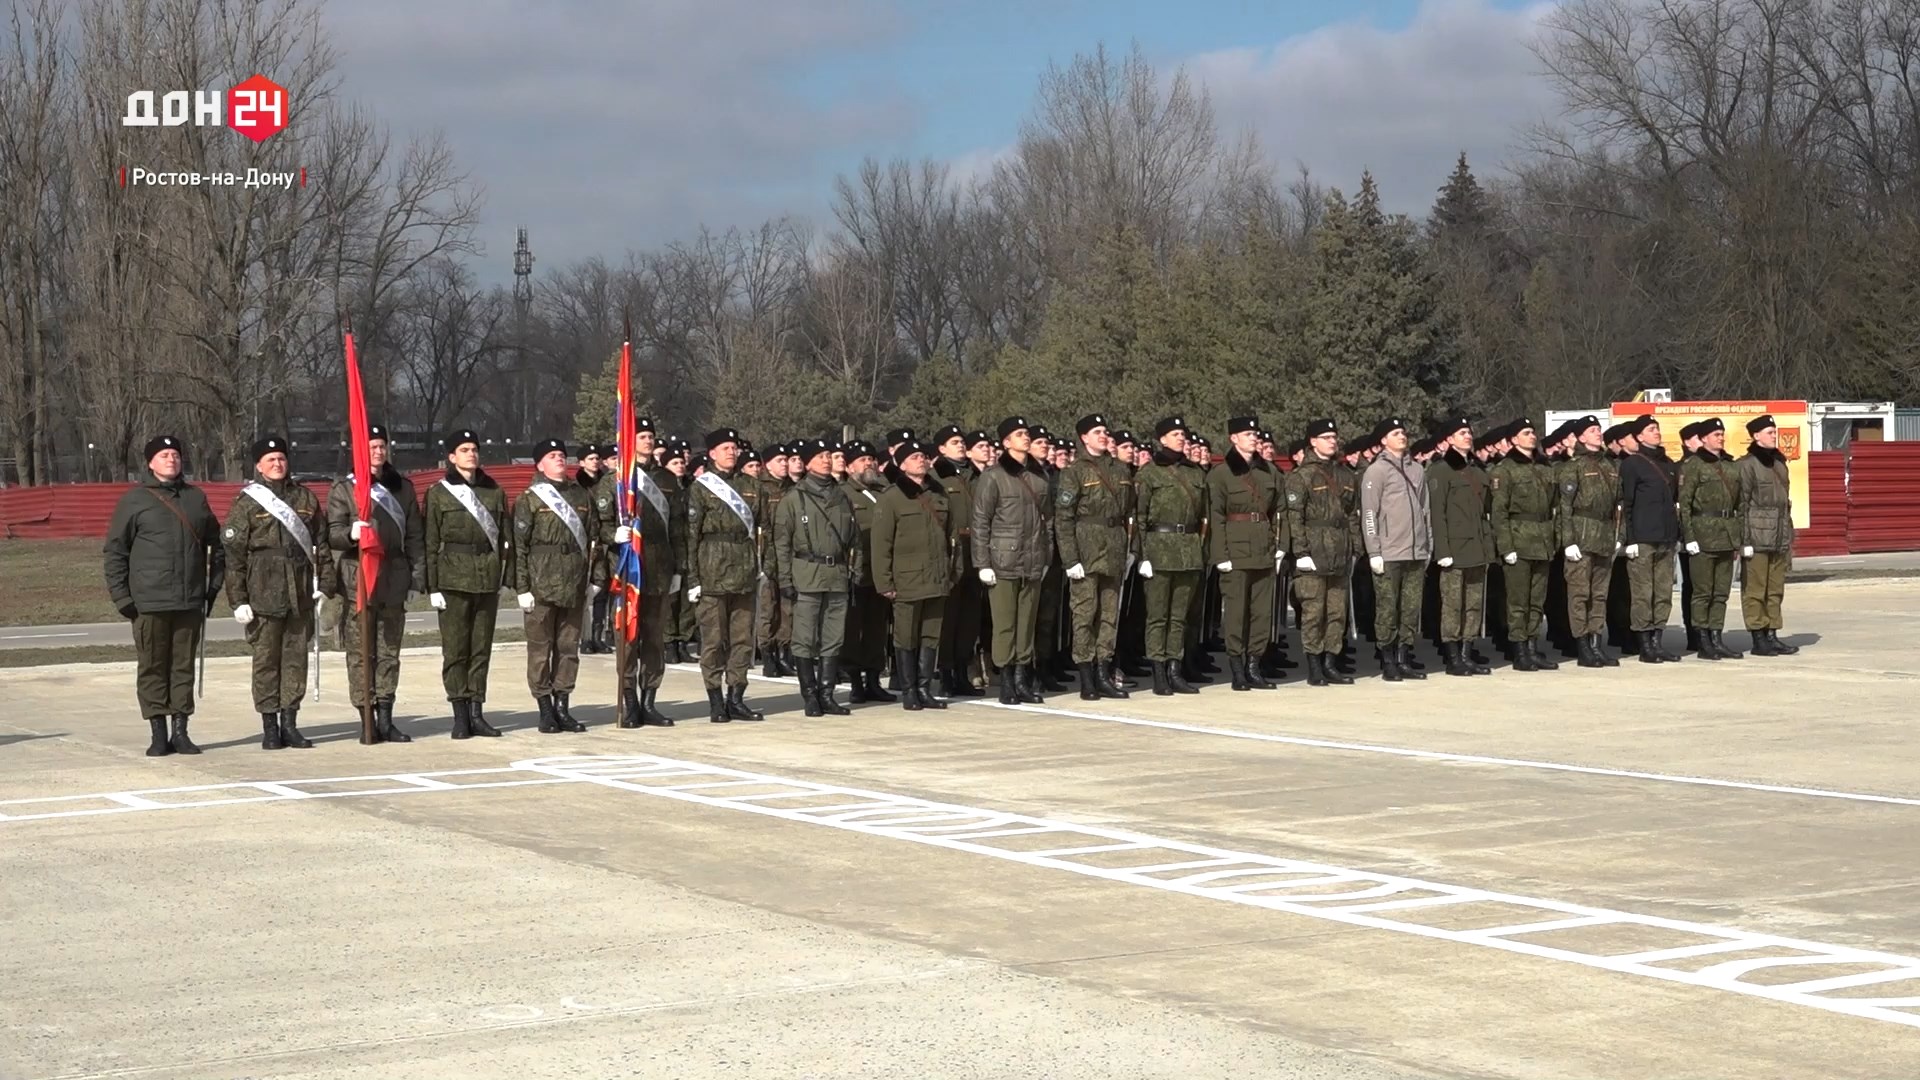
(24, 637)
(1539, 916)
(258, 791)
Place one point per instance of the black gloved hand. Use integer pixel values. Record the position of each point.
(789, 593)
(128, 611)
(211, 600)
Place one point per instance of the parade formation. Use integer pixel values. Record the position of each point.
(966, 562)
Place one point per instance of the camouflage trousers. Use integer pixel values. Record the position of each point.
(1712, 585)
(1650, 587)
(1587, 583)
(1526, 596)
(280, 660)
(1246, 600)
(1094, 602)
(1397, 596)
(916, 623)
(1169, 603)
(1763, 585)
(646, 653)
(165, 644)
(466, 644)
(1463, 596)
(389, 630)
(726, 637)
(553, 648)
(1323, 611)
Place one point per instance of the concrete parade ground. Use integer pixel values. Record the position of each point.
(1694, 871)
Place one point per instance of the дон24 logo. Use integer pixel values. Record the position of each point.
(257, 108)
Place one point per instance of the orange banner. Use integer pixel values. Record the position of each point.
(1790, 417)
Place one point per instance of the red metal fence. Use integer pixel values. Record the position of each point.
(1883, 497)
(1827, 494)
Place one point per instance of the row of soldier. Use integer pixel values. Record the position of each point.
(823, 555)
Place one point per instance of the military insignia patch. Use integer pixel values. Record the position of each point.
(1571, 486)
(1066, 496)
(1496, 483)
(229, 534)
(692, 512)
(1293, 498)
(603, 504)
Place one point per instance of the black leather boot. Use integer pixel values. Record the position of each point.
(462, 719)
(1106, 683)
(1649, 652)
(1161, 687)
(1584, 646)
(1089, 687)
(856, 690)
(717, 706)
(1701, 644)
(1693, 642)
(178, 740)
(383, 720)
(1761, 646)
(1255, 677)
(876, 692)
(809, 687)
(158, 746)
(269, 731)
(631, 711)
(1660, 646)
(1237, 672)
(828, 674)
(290, 731)
(923, 677)
(959, 685)
(562, 709)
(1177, 678)
(650, 714)
(1024, 686)
(906, 663)
(737, 706)
(1726, 651)
(1523, 658)
(1316, 675)
(1540, 659)
(1456, 661)
(1390, 664)
(549, 718)
(1409, 667)
(769, 662)
(1040, 672)
(1009, 686)
(478, 718)
(1781, 647)
(1476, 663)
(1600, 650)
(1335, 676)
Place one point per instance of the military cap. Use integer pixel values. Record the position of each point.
(1424, 446)
(1243, 423)
(1444, 429)
(594, 449)
(1524, 423)
(1576, 427)
(1317, 428)
(1489, 437)
(642, 423)
(1618, 431)
(808, 449)
(376, 431)
(749, 455)
(911, 447)
(1010, 425)
(1754, 426)
(899, 435)
(1358, 446)
(1387, 427)
(548, 446)
(719, 437)
(1198, 440)
(858, 449)
(1266, 436)
(951, 431)
(268, 444)
(975, 438)
(1169, 425)
(1088, 423)
(1690, 431)
(1124, 438)
(1039, 432)
(835, 446)
(457, 439)
(674, 452)
(162, 442)
(1641, 423)
(1708, 426)
(782, 450)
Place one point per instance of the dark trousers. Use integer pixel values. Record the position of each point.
(866, 644)
(1246, 601)
(165, 644)
(819, 625)
(960, 627)
(646, 653)
(466, 644)
(389, 630)
(726, 637)
(553, 648)
(916, 623)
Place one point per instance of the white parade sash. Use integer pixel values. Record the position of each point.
(388, 504)
(464, 493)
(651, 492)
(724, 492)
(283, 514)
(562, 511)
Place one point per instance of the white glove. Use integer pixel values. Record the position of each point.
(1573, 553)
(1279, 560)
(1129, 567)
(1633, 551)
(693, 595)
(354, 530)
(1225, 567)
(1146, 568)
(1513, 557)
(438, 600)
(1076, 572)
(318, 593)
(673, 583)
(243, 614)
(1446, 562)
(526, 601)
(592, 592)
(1378, 563)
(1616, 547)
(1305, 562)
(1693, 547)
(988, 577)
(623, 534)
(1747, 552)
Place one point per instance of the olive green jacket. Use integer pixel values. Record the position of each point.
(163, 550)
(403, 546)
(268, 571)
(1524, 493)
(663, 539)
(1323, 516)
(765, 509)
(1171, 498)
(913, 540)
(1589, 517)
(549, 562)
(1458, 494)
(722, 558)
(864, 497)
(1012, 521)
(1711, 513)
(1243, 504)
(816, 541)
(958, 478)
(1766, 500)
(459, 556)
(1093, 498)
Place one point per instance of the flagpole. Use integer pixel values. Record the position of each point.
(362, 589)
(623, 443)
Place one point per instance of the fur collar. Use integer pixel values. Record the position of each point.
(1454, 459)
(480, 478)
(1164, 456)
(1520, 456)
(1239, 465)
(586, 479)
(1013, 467)
(907, 485)
(1766, 457)
(1705, 454)
(948, 468)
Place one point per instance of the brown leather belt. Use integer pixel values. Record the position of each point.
(1171, 529)
(1247, 517)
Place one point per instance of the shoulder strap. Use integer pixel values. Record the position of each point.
(191, 531)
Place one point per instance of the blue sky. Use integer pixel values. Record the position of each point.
(606, 126)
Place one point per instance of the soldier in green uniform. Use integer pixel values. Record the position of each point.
(1524, 490)
(1243, 501)
(1130, 637)
(1649, 508)
(403, 572)
(1399, 543)
(865, 651)
(1588, 535)
(164, 567)
(1457, 500)
(1767, 529)
(1689, 446)
(960, 623)
(816, 544)
(772, 632)
(1012, 545)
(659, 516)
(469, 556)
(556, 573)
(915, 534)
(1091, 504)
(596, 476)
(1170, 505)
(1324, 520)
(681, 627)
(1048, 624)
(1712, 521)
(721, 573)
(277, 549)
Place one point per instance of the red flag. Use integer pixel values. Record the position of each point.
(363, 479)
